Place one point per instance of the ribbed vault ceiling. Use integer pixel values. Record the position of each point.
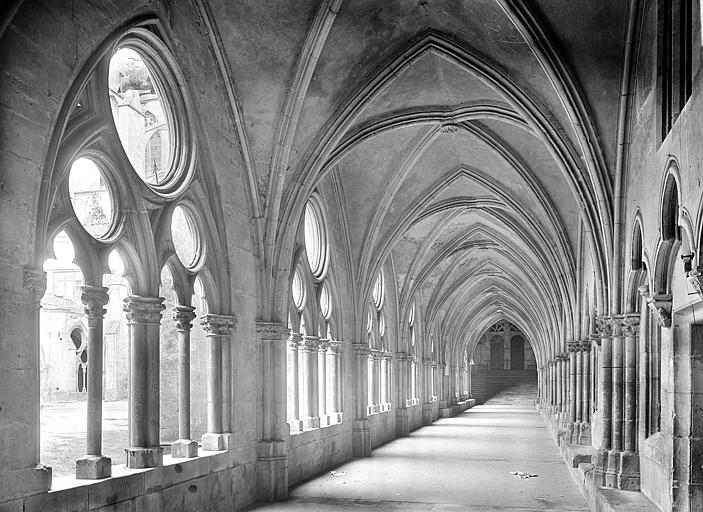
(467, 138)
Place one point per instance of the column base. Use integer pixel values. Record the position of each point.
(629, 471)
(600, 467)
(138, 458)
(212, 442)
(611, 474)
(184, 449)
(93, 467)
(272, 471)
(402, 423)
(311, 422)
(361, 436)
(585, 434)
(426, 413)
(325, 420)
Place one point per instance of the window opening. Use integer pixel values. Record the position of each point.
(90, 198)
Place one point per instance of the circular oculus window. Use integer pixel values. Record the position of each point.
(298, 291)
(90, 197)
(315, 239)
(325, 302)
(184, 234)
(142, 115)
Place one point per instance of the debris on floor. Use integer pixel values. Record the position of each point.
(522, 474)
(338, 473)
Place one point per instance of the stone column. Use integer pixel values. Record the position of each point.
(361, 433)
(617, 360)
(434, 381)
(218, 329)
(144, 322)
(334, 376)
(293, 384)
(629, 471)
(441, 391)
(272, 456)
(566, 381)
(184, 446)
(585, 433)
(402, 428)
(308, 409)
(605, 382)
(426, 405)
(94, 465)
(324, 344)
(383, 381)
(570, 363)
(558, 372)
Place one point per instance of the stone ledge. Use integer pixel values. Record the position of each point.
(577, 459)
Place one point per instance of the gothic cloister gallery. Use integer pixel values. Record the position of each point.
(331, 254)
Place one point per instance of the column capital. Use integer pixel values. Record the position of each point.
(573, 346)
(586, 344)
(143, 310)
(426, 361)
(361, 349)
(336, 346)
(34, 282)
(95, 298)
(616, 325)
(272, 331)
(183, 316)
(309, 343)
(695, 277)
(604, 326)
(631, 324)
(219, 325)
(442, 366)
(295, 339)
(323, 344)
(660, 304)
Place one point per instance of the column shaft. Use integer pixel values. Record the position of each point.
(617, 384)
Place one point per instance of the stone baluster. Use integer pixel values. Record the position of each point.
(605, 381)
(144, 321)
(94, 465)
(184, 446)
(218, 330)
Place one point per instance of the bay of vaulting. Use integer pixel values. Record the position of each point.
(460, 463)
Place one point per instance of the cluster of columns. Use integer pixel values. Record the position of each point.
(616, 462)
(314, 391)
(380, 377)
(144, 322)
(565, 390)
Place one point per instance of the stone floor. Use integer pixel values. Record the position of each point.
(63, 433)
(461, 463)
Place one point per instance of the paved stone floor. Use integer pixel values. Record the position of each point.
(456, 464)
(63, 432)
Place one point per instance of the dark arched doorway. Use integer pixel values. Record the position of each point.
(517, 353)
(497, 353)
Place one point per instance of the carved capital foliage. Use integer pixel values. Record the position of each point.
(34, 282)
(604, 326)
(219, 325)
(309, 344)
(294, 340)
(660, 304)
(631, 324)
(184, 316)
(361, 349)
(616, 325)
(144, 310)
(95, 298)
(695, 277)
(272, 331)
(426, 361)
(586, 345)
(336, 346)
(323, 345)
(573, 346)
